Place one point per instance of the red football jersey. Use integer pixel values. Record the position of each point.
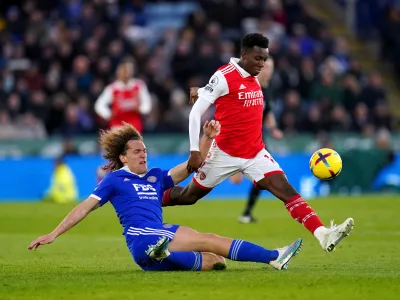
(124, 102)
(125, 105)
(239, 104)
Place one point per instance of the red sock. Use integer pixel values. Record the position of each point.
(166, 200)
(303, 213)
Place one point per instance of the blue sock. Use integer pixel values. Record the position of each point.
(187, 260)
(244, 251)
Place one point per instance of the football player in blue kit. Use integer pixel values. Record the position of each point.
(136, 194)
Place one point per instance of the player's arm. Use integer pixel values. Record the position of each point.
(145, 99)
(270, 124)
(216, 88)
(102, 105)
(211, 130)
(100, 196)
(270, 121)
(74, 217)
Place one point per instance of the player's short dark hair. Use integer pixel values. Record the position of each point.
(254, 40)
(127, 60)
(115, 142)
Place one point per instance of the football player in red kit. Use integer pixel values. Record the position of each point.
(235, 91)
(126, 99)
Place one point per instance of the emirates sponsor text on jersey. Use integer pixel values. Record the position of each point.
(252, 98)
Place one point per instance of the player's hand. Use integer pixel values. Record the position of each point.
(43, 240)
(211, 129)
(276, 133)
(193, 95)
(194, 161)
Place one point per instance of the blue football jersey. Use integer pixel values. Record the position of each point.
(136, 199)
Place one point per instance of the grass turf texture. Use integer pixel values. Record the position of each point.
(92, 262)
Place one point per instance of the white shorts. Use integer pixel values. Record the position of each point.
(219, 166)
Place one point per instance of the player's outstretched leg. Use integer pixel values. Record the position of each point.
(301, 211)
(186, 261)
(247, 216)
(187, 239)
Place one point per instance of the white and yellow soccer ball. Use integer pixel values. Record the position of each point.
(326, 164)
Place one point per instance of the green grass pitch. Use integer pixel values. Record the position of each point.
(92, 262)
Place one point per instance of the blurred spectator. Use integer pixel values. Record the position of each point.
(361, 117)
(303, 41)
(351, 92)
(340, 120)
(373, 92)
(177, 117)
(341, 53)
(29, 127)
(7, 129)
(389, 29)
(56, 113)
(307, 78)
(37, 105)
(327, 88)
(14, 106)
(382, 118)
(273, 30)
(313, 120)
(84, 114)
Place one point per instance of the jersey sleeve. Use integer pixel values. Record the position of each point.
(145, 99)
(104, 190)
(167, 180)
(102, 105)
(215, 88)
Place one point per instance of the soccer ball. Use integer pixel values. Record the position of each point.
(325, 164)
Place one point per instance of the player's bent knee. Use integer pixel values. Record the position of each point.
(212, 261)
(207, 242)
(278, 185)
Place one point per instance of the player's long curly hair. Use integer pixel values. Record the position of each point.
(115, 142)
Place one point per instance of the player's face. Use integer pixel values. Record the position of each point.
(254, 60)
(125, 71)
(135, 157)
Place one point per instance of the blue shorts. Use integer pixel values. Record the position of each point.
(138, 239)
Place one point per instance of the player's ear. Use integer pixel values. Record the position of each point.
(243, 54)
(122, 158)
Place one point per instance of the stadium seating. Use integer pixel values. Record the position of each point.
(56, 58)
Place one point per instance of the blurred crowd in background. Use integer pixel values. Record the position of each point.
(57, 56)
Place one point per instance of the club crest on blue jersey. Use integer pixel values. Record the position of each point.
(152, 179)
